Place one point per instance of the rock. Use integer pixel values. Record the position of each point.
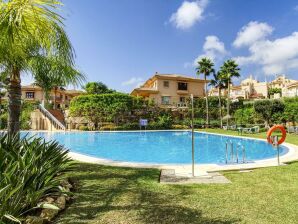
(48, 214)
(65, 184)
(61, 202)
(34, 220)
(67, 197)
(49, 200)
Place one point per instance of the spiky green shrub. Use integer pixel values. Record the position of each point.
(30, 169)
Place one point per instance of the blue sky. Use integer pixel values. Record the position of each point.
(122, 43)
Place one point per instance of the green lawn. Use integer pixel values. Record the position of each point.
(291, 138)
(125, 195)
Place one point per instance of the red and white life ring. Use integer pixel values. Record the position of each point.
(274, 128)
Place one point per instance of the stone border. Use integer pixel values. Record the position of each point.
(170, 177)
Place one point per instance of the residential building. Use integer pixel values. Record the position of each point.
(58, 96)
(291, 90)
(281, 82)
(236, 92)
(248, 89)
(170, 90)
(254, 89)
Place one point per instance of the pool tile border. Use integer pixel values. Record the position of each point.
(184, 170)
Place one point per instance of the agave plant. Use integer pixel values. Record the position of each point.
(30, 169)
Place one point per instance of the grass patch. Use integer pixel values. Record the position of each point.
(291, 138)
(126, 195)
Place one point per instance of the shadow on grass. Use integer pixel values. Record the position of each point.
(124, 195)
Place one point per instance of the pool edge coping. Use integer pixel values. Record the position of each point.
(290, 156)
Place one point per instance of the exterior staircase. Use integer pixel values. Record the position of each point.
(58, 114)
(43, 119)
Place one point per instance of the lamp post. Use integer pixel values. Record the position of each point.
(192, 136)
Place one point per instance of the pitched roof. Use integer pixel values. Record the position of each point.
(294, 84)
(178, 76)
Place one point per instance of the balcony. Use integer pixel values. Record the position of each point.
(144, 91)
(57, 98)
(182, 92)
(173, 105)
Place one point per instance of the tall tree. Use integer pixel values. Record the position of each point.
(227, 72)
(29, 28)
(205, 67)
(49, 73)
(97, 88)
(218, 83)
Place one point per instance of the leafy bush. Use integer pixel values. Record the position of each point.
(270, 110)
(179, 126)
(245, 115)
(30, 169)
(124, 111)
(83, 128)
(97, 108)
(97, 88)
(3, 120)
(27, 108)
(164, 121)
(108, 127)
(273, 91)
(291, 110)
(214, 123)
(130, 126)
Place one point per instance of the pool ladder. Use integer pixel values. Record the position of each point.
(239, 147)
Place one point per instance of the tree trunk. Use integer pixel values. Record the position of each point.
(46, 96)
(220, 109)
(207, 106)
(55, 98)
(14, 102)
(0, 110)
(43, 99)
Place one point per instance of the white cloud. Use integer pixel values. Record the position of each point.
(213, 48)
(189, 13)
(27, 79)
(296, 8)
(212, 43)
(274, 56)
(137, 81)
(252, 32)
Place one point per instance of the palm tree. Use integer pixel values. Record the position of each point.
(219, 83)
(49, 73)
(205, 67)
(29, 29)
(227, 72)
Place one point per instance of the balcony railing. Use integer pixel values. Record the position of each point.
(57, 98)
(173, 104)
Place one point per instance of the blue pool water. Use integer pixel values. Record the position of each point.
(168, 147)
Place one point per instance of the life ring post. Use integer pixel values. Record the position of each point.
(274, 139)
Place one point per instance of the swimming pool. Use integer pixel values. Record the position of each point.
(158, 147)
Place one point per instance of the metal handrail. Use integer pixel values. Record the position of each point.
(51, 117)
(229, 144)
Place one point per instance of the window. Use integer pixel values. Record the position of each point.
(182, 99)
(165, 100)
(166, 84)
(154, 85)
(30, 95)
(182, 86)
